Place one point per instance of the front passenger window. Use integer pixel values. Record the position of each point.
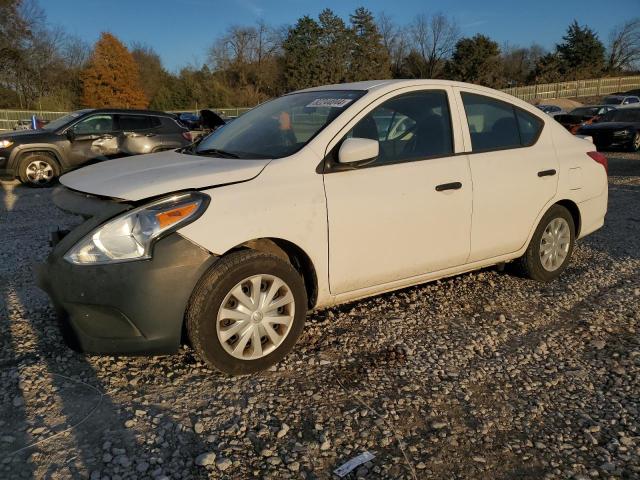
(409, 127)
(97, 124)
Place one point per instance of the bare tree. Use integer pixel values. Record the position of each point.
(434, 38)
(394, 40)
(624, 46)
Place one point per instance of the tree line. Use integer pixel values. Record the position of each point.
(43, 67)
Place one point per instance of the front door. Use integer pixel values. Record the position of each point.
(94, 138)
(407, 213)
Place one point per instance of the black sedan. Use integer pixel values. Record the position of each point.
(617, 129)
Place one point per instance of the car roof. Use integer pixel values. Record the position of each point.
(386, 86)
(372, 85)
(128, 110)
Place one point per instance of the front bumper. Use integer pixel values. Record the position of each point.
(131, 307)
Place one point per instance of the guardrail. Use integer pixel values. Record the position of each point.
(577, 88)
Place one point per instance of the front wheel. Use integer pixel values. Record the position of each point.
(38, 170)
(247, 312)
(551, 246)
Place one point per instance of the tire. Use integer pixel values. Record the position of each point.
(38, 169)
(531, 264)
(634, 146)
(206, 320)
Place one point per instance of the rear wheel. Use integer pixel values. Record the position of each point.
(247, 312)
(38, 169)
(551, 246)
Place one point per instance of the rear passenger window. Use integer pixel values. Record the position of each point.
(496, 125)
(529, 126)
(134, 122)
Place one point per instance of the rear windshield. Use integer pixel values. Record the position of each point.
(281, 127)
(623, 115)
(585, 112)
(613, 100)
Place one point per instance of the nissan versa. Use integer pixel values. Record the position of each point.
(313, 199)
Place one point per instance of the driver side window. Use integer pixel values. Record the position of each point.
(409, 127)
(96, 124)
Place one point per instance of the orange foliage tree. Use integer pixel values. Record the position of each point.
(111, 79)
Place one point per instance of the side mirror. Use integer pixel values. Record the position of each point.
(71, 135)
(355, 150)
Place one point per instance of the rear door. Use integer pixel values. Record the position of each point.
(514, 171)
(139, 134)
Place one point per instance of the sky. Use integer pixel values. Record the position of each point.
(182, 30)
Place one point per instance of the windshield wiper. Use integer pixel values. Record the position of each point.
(216, 151)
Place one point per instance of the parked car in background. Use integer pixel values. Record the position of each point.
(551, 110)
(619, 128)
(580, 116)
(621, 100)
(38, 157)
(313, 199)
(23, 124)
(205, 122)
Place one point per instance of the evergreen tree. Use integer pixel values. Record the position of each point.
(111, 79)
(476, 60)
(335, 43)
(369, 58)
(302, 63)
(549, 68)
(582, 53)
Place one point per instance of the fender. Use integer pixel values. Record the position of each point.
(20, 150)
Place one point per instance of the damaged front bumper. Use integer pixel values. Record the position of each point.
(132, 307)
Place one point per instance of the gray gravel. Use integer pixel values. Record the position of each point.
(484, 375)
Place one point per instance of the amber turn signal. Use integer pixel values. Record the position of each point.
(169, 217)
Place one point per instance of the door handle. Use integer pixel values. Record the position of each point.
(547, 173)
(448, 186)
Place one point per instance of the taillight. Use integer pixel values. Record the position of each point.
(187, 136)
(601, 159)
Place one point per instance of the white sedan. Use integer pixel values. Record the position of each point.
(313, 199)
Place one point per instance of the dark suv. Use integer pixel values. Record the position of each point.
(38, 157)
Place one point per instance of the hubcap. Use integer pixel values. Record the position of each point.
(554, 244)
(255, 317)
(39, 172)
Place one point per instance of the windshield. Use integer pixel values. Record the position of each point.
(613, 100)
(585, 112)
(279, 128)
(62, 121)
(623, 115)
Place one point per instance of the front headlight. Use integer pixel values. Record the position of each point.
(5, 143)
(131, 235)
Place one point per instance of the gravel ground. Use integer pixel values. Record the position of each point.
(484, 375)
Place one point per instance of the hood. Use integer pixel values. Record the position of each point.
(25, 134)
(610, 126)
(143, 176)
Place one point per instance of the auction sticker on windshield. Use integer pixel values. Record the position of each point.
(330, 102)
